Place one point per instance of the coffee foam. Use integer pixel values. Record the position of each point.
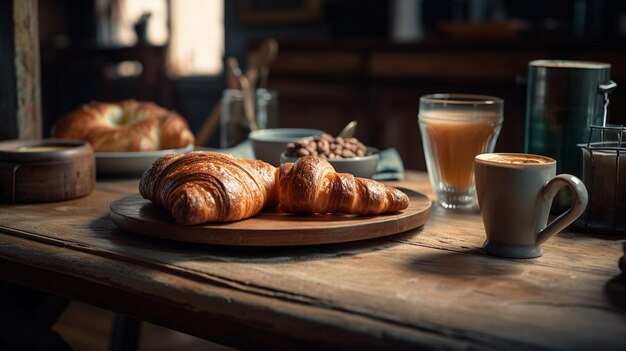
(456, 116)
(516, 159)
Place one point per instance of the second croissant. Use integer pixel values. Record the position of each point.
(200, 187)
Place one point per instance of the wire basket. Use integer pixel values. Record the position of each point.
(604, 175)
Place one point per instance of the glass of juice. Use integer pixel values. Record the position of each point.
(455, 128)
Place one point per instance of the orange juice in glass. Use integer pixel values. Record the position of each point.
(455, 128)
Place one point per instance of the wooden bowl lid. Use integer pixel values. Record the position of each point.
(27, 151)
(45, 170)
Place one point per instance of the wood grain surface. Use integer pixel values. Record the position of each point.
(270, 227)
(432, 287)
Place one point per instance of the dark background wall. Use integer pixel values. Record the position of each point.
(343, 64)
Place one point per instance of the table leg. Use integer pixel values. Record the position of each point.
(125, 333)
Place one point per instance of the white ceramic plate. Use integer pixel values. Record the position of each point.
(131, 163)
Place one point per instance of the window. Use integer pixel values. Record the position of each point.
(195, 35)
(197, 44)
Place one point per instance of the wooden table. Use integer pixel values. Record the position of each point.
(432, 287)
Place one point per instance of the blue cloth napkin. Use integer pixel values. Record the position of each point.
(390, 165)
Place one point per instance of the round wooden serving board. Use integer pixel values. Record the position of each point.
(270, 227)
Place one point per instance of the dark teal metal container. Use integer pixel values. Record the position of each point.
(563, 99)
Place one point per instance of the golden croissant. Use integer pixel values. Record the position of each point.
(311, 185)
(201, 187)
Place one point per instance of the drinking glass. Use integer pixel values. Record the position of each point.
(234, 124)
(455, 128)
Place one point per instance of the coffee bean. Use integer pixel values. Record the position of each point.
(327, 146)
(347, 153)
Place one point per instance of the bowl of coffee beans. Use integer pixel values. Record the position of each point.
(268, 144)
(346, 155)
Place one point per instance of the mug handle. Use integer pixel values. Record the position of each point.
(578, 204)
(607, 87)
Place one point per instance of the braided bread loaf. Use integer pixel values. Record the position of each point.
(125, 126)
(201, 187)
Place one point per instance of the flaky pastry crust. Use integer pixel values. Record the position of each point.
(200, 186)
(311, 185)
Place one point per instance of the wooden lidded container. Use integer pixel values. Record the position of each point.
(45, 170)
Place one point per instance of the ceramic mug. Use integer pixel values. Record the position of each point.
(515, 193)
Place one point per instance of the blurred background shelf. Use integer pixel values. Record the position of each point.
(338, 60)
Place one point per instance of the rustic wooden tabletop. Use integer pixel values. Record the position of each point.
(432, 287)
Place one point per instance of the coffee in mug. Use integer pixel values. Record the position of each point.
(515, 193)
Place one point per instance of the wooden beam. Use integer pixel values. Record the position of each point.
(20, 86)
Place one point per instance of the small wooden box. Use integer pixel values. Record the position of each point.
(45, 170)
